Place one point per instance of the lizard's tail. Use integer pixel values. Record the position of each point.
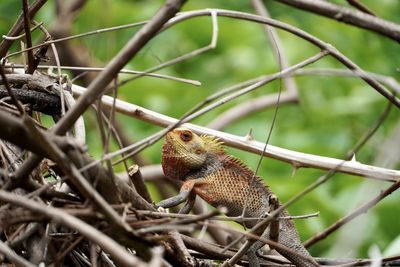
(289, 237)
(297, 260)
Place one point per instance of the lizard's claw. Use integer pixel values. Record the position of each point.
(163, 210)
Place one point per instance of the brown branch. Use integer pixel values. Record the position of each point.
(252, 237)
(28, 37)
(211, 251)
(349, 16)
(36, 82)
(100, 83)
(9, 90)
(30, 230)
(22, 173)
(137, 180)
(46, 103)
(64, 252)
(207, 248)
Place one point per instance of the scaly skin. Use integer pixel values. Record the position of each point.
(222, 180)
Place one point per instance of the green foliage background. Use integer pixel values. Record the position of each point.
(333, 113)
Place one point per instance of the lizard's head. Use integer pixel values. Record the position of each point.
(185, 151)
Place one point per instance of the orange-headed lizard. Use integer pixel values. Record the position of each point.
(222, 180)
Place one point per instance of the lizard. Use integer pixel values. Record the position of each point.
(206, 170)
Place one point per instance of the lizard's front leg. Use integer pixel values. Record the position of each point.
(189, 203)
(183, 195)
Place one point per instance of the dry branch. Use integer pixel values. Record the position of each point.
(349, 16)
(38, 101)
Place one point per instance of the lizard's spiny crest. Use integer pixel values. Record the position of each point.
(213, 144)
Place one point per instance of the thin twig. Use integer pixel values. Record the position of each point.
(387, 80)
(28, 37)
(9, 90)
(124, 71)
(349, 16)
(78, 36)
(14, 38)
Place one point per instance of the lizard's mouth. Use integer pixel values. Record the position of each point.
(169, 146)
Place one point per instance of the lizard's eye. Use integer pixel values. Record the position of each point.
(186, 136)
